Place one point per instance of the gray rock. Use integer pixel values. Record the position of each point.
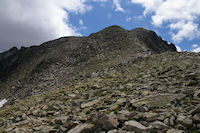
(142, 109)
(88, 104)
(83, 128)
(175, 131)
(172, 120)
(196, 117)
(121, 101)
(159, 125)
(113, 131)
(149, 116)
(185, 121)
(106, 122)
(166, 121)
(24, 116)
(134, 126)
(60, 120)
(195, 110)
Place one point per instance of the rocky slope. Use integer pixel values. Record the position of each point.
(33, 70)
(156, 93)
(113, 81)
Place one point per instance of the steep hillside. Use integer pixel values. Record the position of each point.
(155, 93)
(68, 60)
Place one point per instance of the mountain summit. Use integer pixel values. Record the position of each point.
(113, 81)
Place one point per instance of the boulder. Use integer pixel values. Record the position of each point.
(134, 126)
(83, 128)
(106, 122)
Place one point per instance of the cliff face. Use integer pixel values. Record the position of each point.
(39, 68)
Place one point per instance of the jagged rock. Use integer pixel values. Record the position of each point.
(113, 131)
(142, 109)
(83, 128)
(121, 101)
(158, 125)
(60, 120)
(195, 110)
(150, 116)
(70, 124)
(172, 120)
(196, 117)
(134, 126)
(175, 131)
(84, 105)
(184, 120)
(106, 122)
(166, 121)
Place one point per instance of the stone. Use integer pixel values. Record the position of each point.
(70, 124)
(60, 120)
(83, 128)
(113, 131)
(196, 117)
(35, 112)
(198, 126)
(46, 129)
(121, 101)
(88, 104)
(175, 131)
(133, 125)
(172, 120)
(195, 110)
(106, 122)
(185, 121)
(18, 119)
(24, 116)
(166, 121)
(159, 125)
(138, 116)
(150, 116)
(142, 109)
(114, 106)
(145, 93)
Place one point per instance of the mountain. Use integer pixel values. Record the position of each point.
(114, 81)
(59, 62)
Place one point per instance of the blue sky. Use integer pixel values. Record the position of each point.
(31, 23)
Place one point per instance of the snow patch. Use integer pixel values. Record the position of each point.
(2, 102)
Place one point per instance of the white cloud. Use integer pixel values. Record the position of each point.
(187, 30)
(149, 5)
(196, 50)
(118, 7)
(178, 48)
(195, 45)
(33, 22)
(179, 15)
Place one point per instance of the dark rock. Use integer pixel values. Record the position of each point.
(106, 122)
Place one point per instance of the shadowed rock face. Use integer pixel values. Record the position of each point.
(66, 60)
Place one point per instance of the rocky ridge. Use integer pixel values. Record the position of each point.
(153, 93)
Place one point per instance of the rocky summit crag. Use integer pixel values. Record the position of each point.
(114, 81)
